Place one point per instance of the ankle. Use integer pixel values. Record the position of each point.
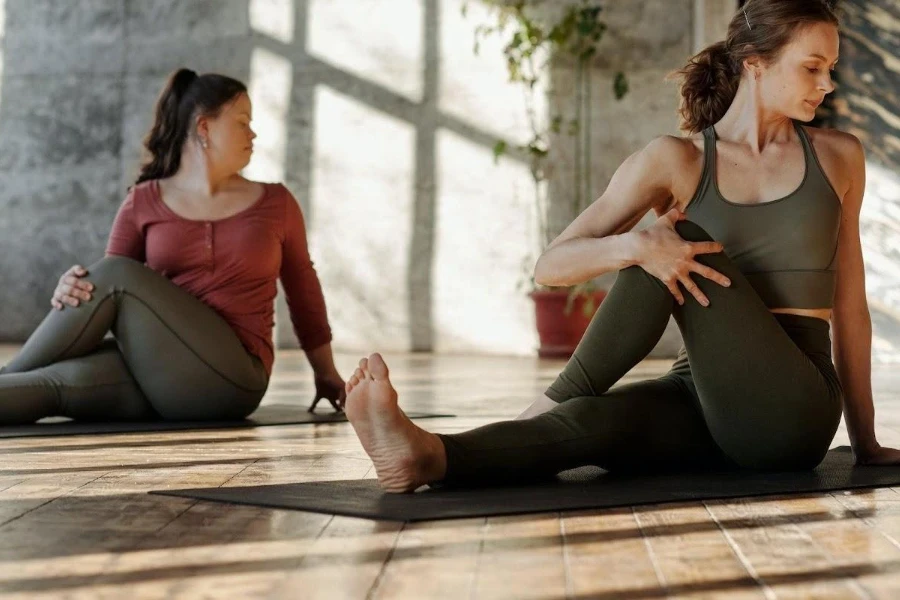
(433, 465)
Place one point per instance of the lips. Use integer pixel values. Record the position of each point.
(814, 104)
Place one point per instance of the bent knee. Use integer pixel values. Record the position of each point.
(116, 262)
(692, 232)
(114, 270)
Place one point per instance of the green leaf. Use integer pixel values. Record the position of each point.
(499, 150)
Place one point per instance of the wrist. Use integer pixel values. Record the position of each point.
(865, 446)
(634, 243)
(325, 370)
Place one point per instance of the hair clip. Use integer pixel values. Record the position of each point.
(744, 10)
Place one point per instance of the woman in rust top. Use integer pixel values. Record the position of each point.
(187, 285)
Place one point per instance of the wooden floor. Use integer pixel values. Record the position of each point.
(76, 521)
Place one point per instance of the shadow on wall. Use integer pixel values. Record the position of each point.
(350, 118)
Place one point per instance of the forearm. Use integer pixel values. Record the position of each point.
(853, 362)
(582, 259)
(321, 359)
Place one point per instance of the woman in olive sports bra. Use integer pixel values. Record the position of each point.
(758, 223)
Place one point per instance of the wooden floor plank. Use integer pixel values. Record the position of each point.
(692, 554)
(76, 520)
(606, 554)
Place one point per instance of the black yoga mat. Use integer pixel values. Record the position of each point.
(272, 414)
(583, 488)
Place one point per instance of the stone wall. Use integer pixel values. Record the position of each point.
(78, 82)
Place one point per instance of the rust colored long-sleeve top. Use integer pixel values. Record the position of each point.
(232, 265)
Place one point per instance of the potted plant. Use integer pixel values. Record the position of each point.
(540, 35)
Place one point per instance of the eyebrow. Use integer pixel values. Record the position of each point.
(822, 58)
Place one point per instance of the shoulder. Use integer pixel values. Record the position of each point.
(673, 156)
(276, 190)
(281, 202)
(835, 140)
(251, 187)
(138, 202)
(664, 158)
(841, 155)
(676, 163)
(140, 192)
(674, 151)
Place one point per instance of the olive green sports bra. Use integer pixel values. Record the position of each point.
(786, 248)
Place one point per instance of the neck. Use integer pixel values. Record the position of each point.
(747, 121)
(197, 175)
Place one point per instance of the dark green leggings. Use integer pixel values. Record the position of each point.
(759, 390)
(173, 357)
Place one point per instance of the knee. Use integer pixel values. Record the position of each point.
(692, 232)
(114, 270)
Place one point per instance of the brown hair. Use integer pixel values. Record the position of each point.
(762, 28)
(186, 95)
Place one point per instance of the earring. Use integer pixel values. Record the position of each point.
(204, 143)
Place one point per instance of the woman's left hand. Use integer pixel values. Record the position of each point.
(330, 386)
(877, 455)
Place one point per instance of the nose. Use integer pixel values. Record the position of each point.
(827, 85)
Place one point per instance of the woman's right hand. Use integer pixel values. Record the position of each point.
(670, 258)
(72, 289)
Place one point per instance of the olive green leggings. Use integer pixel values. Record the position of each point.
(756, 390)
(173, 357)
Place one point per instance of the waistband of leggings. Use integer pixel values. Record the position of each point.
(802, 322)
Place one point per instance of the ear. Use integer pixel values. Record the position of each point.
(754, 66)
(202, 127)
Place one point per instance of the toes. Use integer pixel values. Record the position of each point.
(377, 367)
(364, 366)
(354, 381)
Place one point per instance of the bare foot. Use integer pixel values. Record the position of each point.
(405, 456)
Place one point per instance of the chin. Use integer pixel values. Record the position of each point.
(809, 113)
(805, 114)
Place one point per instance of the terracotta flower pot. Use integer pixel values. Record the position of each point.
(559, 332)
